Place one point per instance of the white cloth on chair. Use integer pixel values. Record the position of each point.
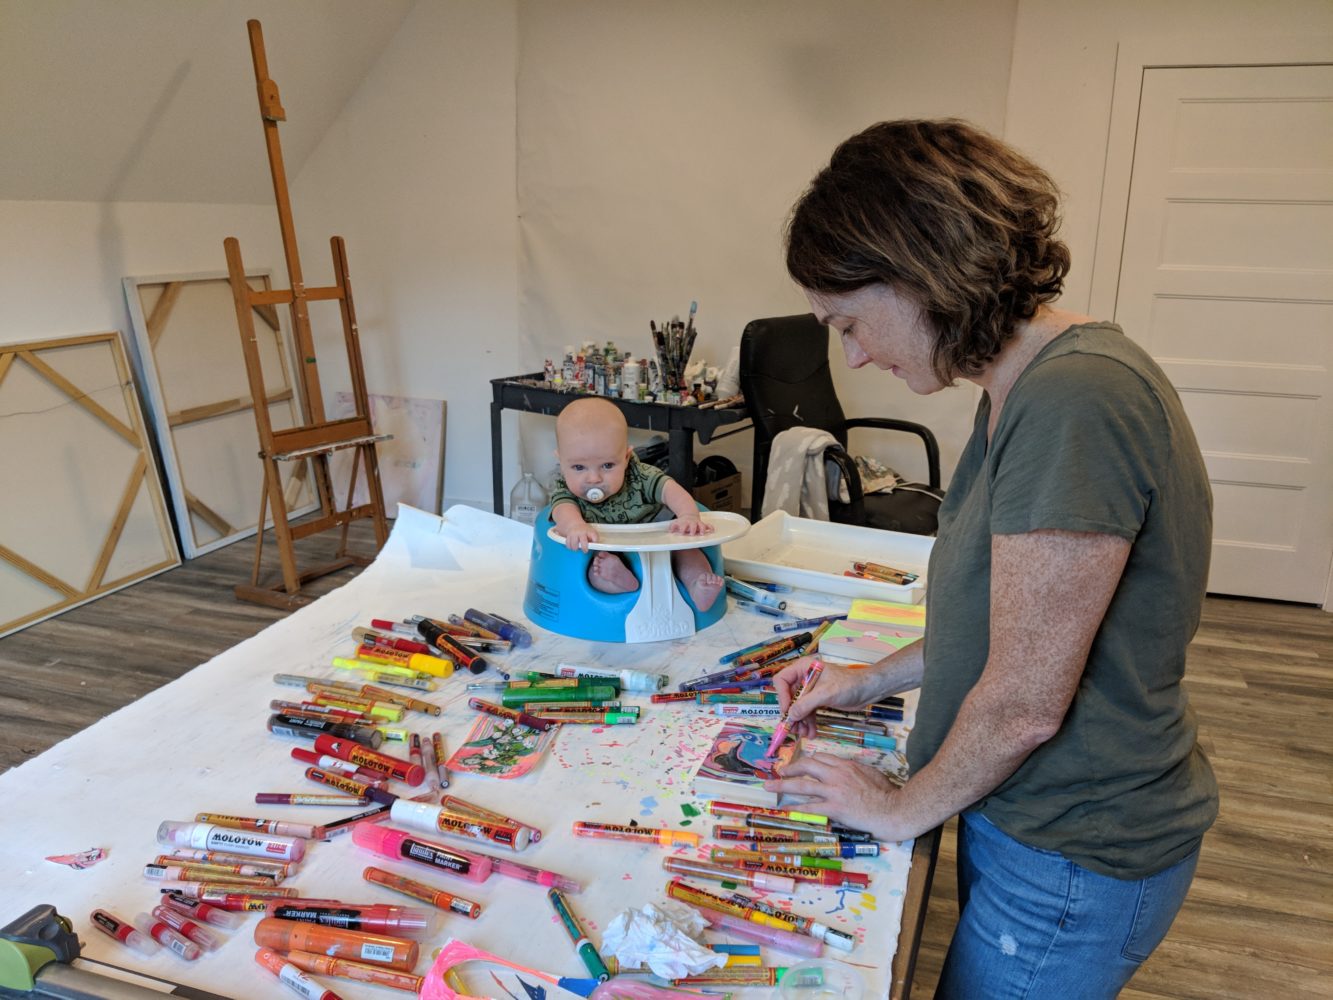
(799, 482)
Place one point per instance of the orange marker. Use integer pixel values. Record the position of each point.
(343, 969)
(438, 898)
(379, 949)
(642, 834)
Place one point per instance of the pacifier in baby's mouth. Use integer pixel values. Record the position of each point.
(595, 494)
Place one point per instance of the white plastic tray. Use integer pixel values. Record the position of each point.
(812, 555)
(656, 536)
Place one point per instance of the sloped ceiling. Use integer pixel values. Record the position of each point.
(154, 100)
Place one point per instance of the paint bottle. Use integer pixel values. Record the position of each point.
(629, 378)
(526, 499)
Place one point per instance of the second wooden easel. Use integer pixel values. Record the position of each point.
(316, 438)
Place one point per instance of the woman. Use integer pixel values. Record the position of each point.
(1065, 583)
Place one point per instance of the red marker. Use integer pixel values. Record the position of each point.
(355, 753)
(513, 714)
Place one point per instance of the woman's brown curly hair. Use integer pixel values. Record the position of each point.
(945, 213)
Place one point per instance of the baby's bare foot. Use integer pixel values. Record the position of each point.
(611, 576)
(703, 589)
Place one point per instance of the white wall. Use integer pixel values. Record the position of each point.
(61, 263)
(660, 147)
(417, 174)
(1063, 74)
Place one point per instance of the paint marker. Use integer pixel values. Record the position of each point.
(357, 971)
(410, 772)
(783, 940)
(780, 733)
(441, 772)
(630, 680)
(512, 714)
(124, 932)
(439, 898)
(302, 728)
(359, 946)
(162, 932)
(503, 627)
(432, 819)
(183, 925)
(637, 834)
(402, 846)
(718, 808)
(585, 948)
(450, 647)
(292, 977)
(209, 837)
(807, 623)
(281, 827)
(773, 882)
(379, 918)
(753, 594)
(199, 910)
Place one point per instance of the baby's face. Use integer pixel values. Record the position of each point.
(593, 462)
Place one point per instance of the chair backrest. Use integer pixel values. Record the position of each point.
(787, 382)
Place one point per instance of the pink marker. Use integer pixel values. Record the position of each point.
(527, 873)
(197, 933)
(161, 932)
(200, 910)
(403, 846)
(780, 733)
(123, 931)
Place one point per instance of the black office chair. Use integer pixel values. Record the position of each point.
(787, 382)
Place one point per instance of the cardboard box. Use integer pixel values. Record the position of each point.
(725, 494)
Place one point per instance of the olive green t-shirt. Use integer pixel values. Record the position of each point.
(1092, 438)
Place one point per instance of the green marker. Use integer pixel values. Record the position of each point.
(593, 961)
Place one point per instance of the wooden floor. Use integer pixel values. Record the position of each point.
(1259, 919)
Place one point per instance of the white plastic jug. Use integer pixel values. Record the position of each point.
(526, 499)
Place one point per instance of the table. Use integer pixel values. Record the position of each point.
(680, 423)
(199, 744)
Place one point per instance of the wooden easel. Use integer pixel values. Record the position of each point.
(316, 438)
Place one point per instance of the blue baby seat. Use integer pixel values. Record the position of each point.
(560, 598)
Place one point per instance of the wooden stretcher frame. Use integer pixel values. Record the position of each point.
(191, 501)
(142, 475)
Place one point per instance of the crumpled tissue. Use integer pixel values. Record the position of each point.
(662, 938)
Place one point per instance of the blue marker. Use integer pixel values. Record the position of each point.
(761, 609)
(807, 623)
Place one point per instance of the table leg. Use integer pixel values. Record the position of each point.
(680, 456)
(497, 461)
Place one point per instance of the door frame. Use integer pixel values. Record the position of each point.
(1134, 55)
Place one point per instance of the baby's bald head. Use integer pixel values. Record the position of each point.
(592, 446)
(589, 417)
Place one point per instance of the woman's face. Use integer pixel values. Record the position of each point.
(881, 326)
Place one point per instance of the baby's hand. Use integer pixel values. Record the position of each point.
(579, 537)
(690, 524)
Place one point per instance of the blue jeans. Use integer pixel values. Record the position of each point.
(1032, 924)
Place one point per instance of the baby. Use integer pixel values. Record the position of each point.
(602, 481)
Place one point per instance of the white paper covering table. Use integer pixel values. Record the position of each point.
(199, 745)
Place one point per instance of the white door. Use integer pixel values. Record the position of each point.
(1226, 277)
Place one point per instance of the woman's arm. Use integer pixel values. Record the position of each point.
(1049, 593)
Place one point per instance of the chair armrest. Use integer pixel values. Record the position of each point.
(855, 492)
(920, 430)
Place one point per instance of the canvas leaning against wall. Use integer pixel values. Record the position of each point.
(89, 516)
(190, 362)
